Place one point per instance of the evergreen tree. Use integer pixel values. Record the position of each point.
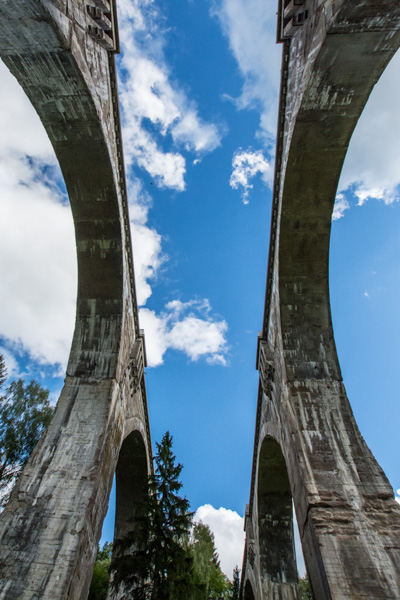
(3, 370)
(25, 412)
(154, 563)
(235, 590)
(209, 583)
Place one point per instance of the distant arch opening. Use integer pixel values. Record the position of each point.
(275, 516)
(248, 591)
(131, 478)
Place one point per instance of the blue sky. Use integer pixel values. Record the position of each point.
(199, 91)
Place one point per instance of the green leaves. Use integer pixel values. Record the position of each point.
(304, 589)
(209, 583)
(166, 557)
(101, 573)
(25, 412)
(152, 563)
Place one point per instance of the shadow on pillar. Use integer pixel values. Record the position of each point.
(131, 485)
(278, 570)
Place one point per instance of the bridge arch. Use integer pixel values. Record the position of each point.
(70, 80)
(329, 71)
(67, 98)
(344, 71)
(131, 477)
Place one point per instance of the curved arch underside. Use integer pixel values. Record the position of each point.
(131, 477)
(338, 75)
(48, 62)
(348, 519)
(248, 591)
(50, 528)
(275, 516)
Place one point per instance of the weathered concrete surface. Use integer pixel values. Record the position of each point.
(50, 529)
(348, 520)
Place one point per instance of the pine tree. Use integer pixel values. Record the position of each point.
(169, 523)
(3, 370)
(209, 583)
(235, 590)
(156, 564)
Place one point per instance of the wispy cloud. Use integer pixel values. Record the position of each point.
(246, 164)
(147, 242)
(150, 96)
(397, 497)
(188, 327)
(12, 368)
(371, 169)
(250, 27)
(340, 207)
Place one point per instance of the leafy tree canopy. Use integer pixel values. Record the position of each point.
(25, 412)
(304, 589)
(101, 573)
(208, 583)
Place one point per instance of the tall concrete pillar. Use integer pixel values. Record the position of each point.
(333, 54)
(62, 54)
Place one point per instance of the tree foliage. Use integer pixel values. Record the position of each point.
(167, 557)
(3, 371)
(304, 589)
(101, 573)
(208, 581)
(153, 563)
(25, 412)
(235, 589)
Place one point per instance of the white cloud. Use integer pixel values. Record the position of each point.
(247, 164)
(12, 368)
(147, 251)
(38, 266)
(21, 130)
(340, 206)
(250, 26)
(185, 326)
(149, 96)
(227, 527)
(371, 169)
(397, 497)
(37, 247)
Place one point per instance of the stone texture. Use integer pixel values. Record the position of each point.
(50, 529)
(348, 520)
